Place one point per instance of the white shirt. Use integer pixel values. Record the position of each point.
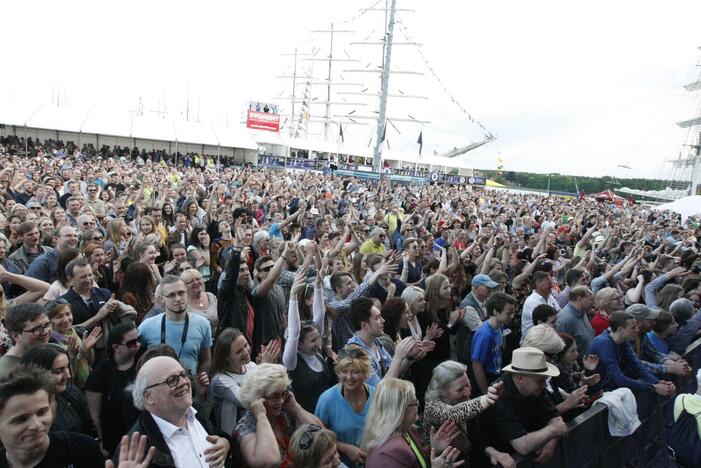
(533, 301)
(187, 444)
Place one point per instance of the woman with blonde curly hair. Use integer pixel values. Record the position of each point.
(264, 431)
(606, 302)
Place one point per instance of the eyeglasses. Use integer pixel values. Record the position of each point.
(172, 381)
(277, 396)
(135, 343)
(382, 236)
(308, 437)
(97, 238)
(39, 329)
(127, 234)
(35, 208)
(266, 269)
(194, 281)
(413, 403)
(88, 223)
(175, 294)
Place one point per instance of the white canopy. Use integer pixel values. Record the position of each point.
(687, 206)
(126, 125)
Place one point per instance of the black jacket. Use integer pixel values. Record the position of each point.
(231, 298)
(146, 425)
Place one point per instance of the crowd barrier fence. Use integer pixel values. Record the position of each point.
(588, 443)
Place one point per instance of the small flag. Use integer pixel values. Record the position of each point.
(340, 132)
(420, 141)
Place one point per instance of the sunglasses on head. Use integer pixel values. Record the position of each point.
(353, 352)
(308, 437)
(55, 303)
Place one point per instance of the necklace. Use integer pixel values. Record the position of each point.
(354, 402)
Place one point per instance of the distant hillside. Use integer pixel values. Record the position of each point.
(566, 183)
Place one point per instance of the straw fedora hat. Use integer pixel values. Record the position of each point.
(531, 361)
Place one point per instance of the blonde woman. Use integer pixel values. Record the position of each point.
(606, 302)
(117, 237)
(264, 431)
(343, 408)
(390, 439)
(414, 298)
(200, 301)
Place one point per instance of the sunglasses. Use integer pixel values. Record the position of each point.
(132, 343)
(97, 238)
(308, 437)
(266, 269)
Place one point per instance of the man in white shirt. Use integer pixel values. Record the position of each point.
(182, 436)
(542, 294)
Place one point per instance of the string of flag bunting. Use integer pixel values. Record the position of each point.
(408, 38)
(361, 13)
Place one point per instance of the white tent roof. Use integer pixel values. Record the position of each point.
(666, 194)
(126, 125)
(687, 206)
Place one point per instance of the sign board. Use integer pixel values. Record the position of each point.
(263, 116)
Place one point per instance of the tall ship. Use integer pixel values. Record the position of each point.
(685, 170)
(362, 98)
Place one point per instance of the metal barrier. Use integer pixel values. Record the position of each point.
(588, 443)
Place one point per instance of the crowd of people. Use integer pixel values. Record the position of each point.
(201, 315)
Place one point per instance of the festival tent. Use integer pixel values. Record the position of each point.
(608, 195)
(84, 126)
(687, 206)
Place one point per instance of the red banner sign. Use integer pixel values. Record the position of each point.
(263, 121)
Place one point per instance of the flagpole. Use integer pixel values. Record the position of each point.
(420, 141)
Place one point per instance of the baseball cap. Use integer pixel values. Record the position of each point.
(484, 280)
(642, 312)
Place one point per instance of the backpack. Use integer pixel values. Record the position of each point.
(683, 440)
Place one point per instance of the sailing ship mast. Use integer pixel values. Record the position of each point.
(384, 89)
(695, 158)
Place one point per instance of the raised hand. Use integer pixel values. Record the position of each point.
(444, 436)
(132, 453)
(92, 339)
(271, 352)
(590, 361)
(434, 332)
